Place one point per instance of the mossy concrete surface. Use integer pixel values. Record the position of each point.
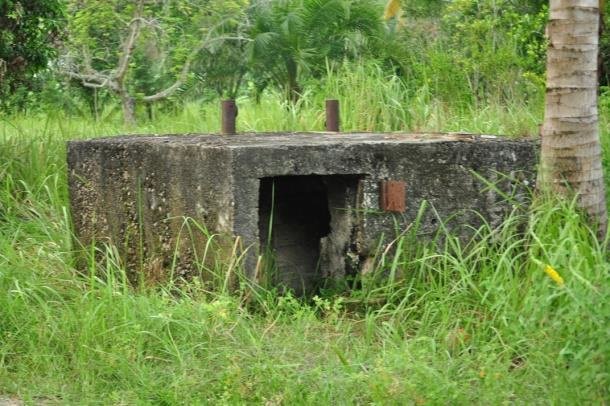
(313, 199)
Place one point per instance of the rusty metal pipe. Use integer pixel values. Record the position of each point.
(229, 114)
(332, 115)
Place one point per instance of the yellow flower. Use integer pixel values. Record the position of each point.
(391, 9)
(554, 275)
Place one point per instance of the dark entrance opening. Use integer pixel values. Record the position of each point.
(305, 227)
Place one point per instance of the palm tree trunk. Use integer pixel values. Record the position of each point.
(571, 151)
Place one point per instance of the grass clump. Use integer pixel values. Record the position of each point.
(480, 322)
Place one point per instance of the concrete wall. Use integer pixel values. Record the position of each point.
(133, 192)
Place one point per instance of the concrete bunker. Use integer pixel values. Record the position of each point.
(306, 225)
(335, 197)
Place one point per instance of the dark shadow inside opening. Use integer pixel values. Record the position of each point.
(296, 208)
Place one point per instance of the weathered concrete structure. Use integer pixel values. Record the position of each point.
(329, 198)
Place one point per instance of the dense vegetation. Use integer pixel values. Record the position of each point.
(517, 315)
(463, 52)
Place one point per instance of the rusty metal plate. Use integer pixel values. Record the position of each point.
(393, 195)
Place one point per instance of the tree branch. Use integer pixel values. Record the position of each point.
(129, 44)
(93, 80)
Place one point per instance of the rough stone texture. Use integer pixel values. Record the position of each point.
(320, 191)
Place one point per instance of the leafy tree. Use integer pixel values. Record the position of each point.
(294, 38)
(492, 37)
(144, 51)
(28, 30)
(223, 68)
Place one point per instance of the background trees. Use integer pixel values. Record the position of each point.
(461, 54)
(292, 39)
(144, 51)
(147, 51)
(29, 29)
(493, 35)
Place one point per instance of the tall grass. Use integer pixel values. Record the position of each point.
(371, 100)
(477, 322)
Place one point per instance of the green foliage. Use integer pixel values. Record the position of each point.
(454, 323)
(423, 8)
(457, 324)
(604, 46)
(222, 69)
(528, 32)
(294, 38)
(461, 53)
(145, 51)
(171, 31)
(28, 30)
(497, 42)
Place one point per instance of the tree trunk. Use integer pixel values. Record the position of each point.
(129, 110)
(293, 91)
(571, 152)
(149, 111)
(96, 107)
